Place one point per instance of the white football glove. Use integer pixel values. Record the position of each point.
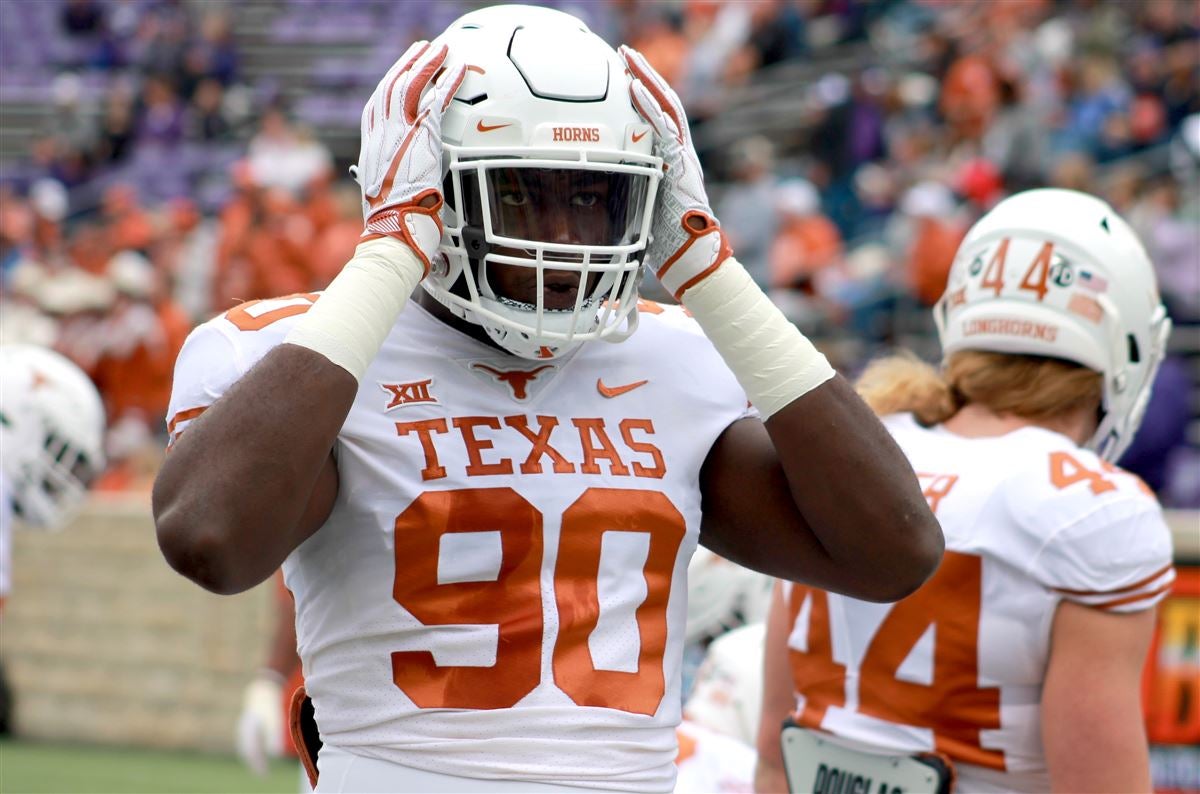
(400, 162)
(687, 244)
(260, 725)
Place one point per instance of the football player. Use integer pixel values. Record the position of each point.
(51, 448)
(484, 510)
(1017, 666)
(51, 431)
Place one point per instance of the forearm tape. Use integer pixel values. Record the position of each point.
(771, 359)
(357, 310)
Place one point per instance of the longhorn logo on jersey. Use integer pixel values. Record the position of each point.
(412, 393)
(520, 383)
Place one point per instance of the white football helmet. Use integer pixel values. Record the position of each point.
(1058, 273)
(549, 168)
(51, 433)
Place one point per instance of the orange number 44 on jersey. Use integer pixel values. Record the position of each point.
(952, 705)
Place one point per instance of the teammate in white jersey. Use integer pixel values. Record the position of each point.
(485, 522)
(1020, 661)
(51, 434)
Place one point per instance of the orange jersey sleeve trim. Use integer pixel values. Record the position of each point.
(185, 415)
(1147, 596)
(1116, 590)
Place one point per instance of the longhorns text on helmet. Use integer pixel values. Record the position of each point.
(1058, 273)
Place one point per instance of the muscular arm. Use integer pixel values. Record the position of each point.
(821, 493)
(1091, 701)
(254, 476)
(778, 699)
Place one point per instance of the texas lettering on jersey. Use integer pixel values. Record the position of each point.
(634, 457)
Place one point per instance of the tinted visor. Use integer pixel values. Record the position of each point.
(559, 205)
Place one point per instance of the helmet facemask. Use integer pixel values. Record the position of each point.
(1126, 397)
(51, 487)
(542, 248)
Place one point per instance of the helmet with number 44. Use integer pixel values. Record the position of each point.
(550, 180)
(1058, 273)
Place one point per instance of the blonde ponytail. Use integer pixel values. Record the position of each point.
(1031, 387)
(904, 384)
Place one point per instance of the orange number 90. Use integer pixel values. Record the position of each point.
(510, 598)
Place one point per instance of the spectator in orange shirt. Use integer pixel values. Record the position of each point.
(264, 248)
(144, 334)
(807, 241)
(279, 246)
(231, 279)
(128, 225)
(335, 240)
(970, 96)
(658, 37)
(935, 235)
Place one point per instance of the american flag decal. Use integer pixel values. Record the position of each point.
(1093, 282)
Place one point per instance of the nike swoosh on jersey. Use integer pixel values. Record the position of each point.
(638, 136)
(479, 125)
(617, 391)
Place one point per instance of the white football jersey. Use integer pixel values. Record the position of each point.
(500, 590)
(1030, 519)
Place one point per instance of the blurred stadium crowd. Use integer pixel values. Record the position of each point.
(163, 159)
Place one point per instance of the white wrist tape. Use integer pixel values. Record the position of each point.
(358, 309)
(771, 359)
